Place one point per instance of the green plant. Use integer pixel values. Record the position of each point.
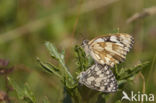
(78, 93)
(24, 92)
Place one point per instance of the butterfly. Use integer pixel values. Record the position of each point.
(99, 77)
(111, 49)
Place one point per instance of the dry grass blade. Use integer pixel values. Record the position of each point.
(144, 13)
(96, 4)
(77, 18)
(144, 84)
(20, 31)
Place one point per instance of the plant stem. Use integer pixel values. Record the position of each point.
(66, 69)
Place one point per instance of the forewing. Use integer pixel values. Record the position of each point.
(100, 78)
(110, 49)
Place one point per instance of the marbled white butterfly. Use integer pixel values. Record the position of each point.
(110, 50)
(99, 77)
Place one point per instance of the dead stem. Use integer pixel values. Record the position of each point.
(7, 89)
(77, 18)
(146, 12)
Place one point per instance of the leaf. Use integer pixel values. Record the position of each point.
(46, 100)
(51, 69)
(70, 83)
(66, 76)
(118, 101)
(81, 58)
(116, 30)
(19, 90)
(121, 82)
(53, 51)
(23, 93)
(28, 93)
(127, 73)
(60, 57)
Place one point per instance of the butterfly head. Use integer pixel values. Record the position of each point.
(85, 42)
(81, 77)
(85, 46)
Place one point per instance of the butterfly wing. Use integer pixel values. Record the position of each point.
(100, 78)
(111, 49)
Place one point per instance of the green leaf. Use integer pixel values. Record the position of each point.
(51, 69)
(53, 51)
(19, 90)
(23, 93)
(128, 73)
(62, 54)
(46, 100)
(121, 82)
(118, 101)
(116, 30)
(58, 56)
(66, 76)
(81, 58)
(28, 93)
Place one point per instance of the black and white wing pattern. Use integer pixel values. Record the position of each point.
(99, 77)
(110, 50)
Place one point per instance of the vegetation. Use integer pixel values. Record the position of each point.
(28, 74)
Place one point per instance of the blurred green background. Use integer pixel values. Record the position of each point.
(26, 24)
